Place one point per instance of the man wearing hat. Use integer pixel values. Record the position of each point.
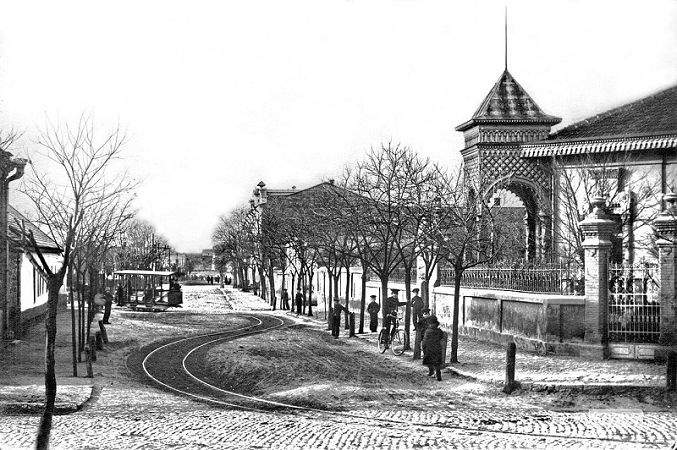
(373, 308)
(416, 308)
(392, 303)
(336, 311)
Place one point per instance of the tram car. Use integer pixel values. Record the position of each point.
(147, 290)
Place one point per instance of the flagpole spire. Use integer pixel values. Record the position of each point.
(506, 34)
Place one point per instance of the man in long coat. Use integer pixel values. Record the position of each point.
(432, 348)
(336, 311)
(373, 310)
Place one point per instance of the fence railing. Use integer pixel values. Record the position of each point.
(634, 303)
(563, 279)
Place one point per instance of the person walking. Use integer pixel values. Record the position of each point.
(285, 299)
(336, 311)
(373, 310)
(299, 301)
(432, 348)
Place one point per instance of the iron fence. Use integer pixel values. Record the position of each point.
(634, 303)
(547, 278)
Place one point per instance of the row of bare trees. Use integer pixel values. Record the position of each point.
(82, 197)
(384, 212)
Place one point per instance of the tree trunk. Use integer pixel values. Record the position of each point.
(53, 286)
(407, 308)
(331, 297)
(384, 295)
(425, 286)
(271, 279)
(263, 289)
(311, 274)
(347, 324)
(454, 326)
(363, 297)
(71, 299)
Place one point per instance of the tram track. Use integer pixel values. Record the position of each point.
(176, 365)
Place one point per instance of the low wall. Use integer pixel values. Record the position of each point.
(542, 323)
(37, 314)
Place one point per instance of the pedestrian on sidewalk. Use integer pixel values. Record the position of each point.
(336, 311)
(299, 301)
(373, 310)
(285, 299)
(432, 348)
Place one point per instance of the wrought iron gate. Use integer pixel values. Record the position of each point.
(634, 303)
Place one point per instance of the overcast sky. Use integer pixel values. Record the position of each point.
(217, 96)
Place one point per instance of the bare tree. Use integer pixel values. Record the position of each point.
(465, 232)
(84, 162)
(633, 198)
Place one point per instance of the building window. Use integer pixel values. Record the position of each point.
(39, 285)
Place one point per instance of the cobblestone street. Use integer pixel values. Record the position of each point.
(124, 412)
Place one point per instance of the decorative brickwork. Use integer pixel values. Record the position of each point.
(597, 229)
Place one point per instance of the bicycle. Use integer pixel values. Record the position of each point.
(396, 341)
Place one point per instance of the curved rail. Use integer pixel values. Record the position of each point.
(313, 412)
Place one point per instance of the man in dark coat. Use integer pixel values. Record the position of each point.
(285, 299)
(299, 301)
(392, 303)
(432, 348)
(373, 310)
(416, 308)
(336, 311)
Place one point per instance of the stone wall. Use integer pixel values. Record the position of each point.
(543, 323)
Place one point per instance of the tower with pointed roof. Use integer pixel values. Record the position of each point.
(507, 118)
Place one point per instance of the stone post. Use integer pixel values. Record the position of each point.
(666, 232)
(597, 229)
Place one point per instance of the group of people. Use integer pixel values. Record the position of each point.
(298, 300)
(426, 327)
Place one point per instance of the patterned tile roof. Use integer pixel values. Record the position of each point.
(650, 116)
(508, 102)
(43, 241)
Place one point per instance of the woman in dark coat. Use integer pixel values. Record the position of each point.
(432, 348)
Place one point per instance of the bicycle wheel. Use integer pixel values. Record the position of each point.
(382, 341)
(399, 340)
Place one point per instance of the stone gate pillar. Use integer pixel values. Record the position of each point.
(597, 229)
(666, 232)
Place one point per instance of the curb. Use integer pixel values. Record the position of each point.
(29, 399)
(583, 388)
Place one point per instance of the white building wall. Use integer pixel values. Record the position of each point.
(33, 286)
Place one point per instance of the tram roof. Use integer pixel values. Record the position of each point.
(144, 272)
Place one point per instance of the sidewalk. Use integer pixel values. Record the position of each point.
(485, 362)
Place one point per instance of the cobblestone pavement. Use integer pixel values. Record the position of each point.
(127, 414)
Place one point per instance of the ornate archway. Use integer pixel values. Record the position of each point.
(507, 118)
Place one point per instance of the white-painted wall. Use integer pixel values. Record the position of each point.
(33, 286)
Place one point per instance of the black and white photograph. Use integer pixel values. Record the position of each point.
(338, 224)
